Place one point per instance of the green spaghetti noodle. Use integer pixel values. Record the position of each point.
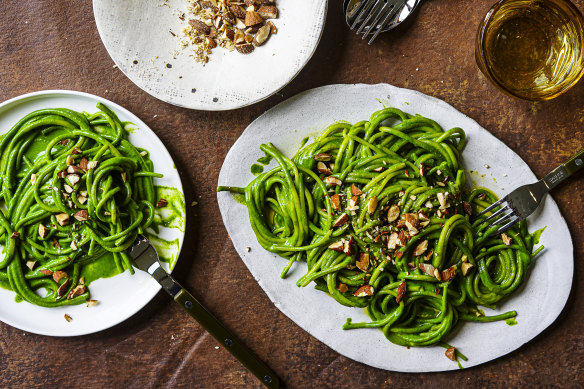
(74, 189)
(378, 212)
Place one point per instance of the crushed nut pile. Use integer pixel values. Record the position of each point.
(239, 25)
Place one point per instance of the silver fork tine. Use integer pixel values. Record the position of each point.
(375, 10)
(373, 25)
(508, 225)
(497, 213)
(492, 206)
(392, 12)
(504, 218)
(365, 8)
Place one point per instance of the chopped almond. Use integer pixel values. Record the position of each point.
(401, 291)
(364, 291)
(363, 262)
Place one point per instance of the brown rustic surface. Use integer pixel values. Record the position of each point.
(55, 45)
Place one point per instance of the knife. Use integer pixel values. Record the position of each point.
(146, 259)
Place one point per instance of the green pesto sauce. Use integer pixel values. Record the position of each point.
(174, 214)
(303, 142)
(167, 250)
(511, 321)
(129, 127)
(103, 267)
(256, 169)
(38, 146)
(266, 159)
(239, 197)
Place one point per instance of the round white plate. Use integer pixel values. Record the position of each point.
(136, 34)
(123, 295)
(538, 302)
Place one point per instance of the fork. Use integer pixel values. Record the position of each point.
(373, 16)
(523, 201)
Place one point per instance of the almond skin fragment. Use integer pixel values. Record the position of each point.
(333, 181)
(252, 18)
(323, 168)
(402, 238)
(324, 157)
(506, 239)
(343, 288)
(81, 215)
(355, 191)
(83, 164)
(393, 241)
(450, 354)
(349, 247)
(363, 262)
(449, 274)
(465, 268)
(393, 213)
(47, 272)
(201, 27)
(268, 12)
(161, 203)
(59, 275)
(421, 248)
(427, 269)
(245, 48)
(341, 220)
(74, 169)
(365, 290)
(68, 318)
(62, 219)
(401, 291)
(15, 235)
(63, 288)
(237, 11)
(262, 35)
(336, 201)
(337, 246)
(77, 291)
(412, 218)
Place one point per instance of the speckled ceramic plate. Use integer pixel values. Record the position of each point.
(538, 301)
(123, 295)
(137, 35)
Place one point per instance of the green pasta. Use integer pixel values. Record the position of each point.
(379, 212)
(74, 189)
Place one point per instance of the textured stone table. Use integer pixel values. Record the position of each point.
(55, 45)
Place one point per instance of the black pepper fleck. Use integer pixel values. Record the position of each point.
(168, 65)
(215, 99)
(193, 90)
(135, 62)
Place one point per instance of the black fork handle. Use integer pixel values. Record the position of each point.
(565, 170)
